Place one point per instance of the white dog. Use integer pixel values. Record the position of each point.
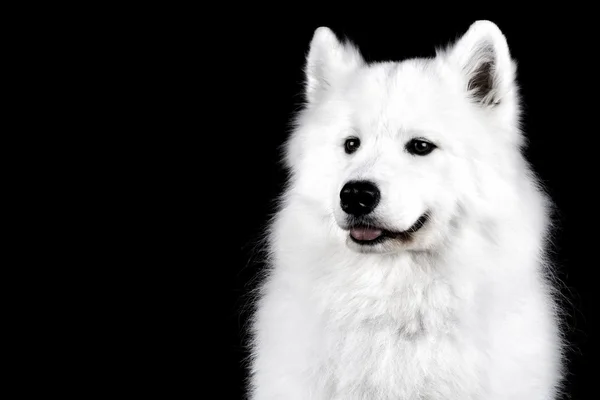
(407, 255)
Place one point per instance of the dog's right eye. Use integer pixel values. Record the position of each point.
(351, 145)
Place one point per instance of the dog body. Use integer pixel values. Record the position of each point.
(407, 256)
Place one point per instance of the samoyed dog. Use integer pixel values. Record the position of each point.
(407, 257)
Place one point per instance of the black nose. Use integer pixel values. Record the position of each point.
(359, 197)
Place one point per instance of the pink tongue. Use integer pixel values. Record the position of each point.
(365, 233)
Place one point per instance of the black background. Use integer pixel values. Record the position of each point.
(257, 63)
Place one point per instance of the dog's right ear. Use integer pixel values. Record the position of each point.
(328, 62)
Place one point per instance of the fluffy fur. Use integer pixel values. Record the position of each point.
(462, 309)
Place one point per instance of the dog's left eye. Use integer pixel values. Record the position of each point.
(420, 147)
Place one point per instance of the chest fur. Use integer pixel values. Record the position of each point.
(397, 334)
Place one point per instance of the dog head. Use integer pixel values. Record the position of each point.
(391, 153)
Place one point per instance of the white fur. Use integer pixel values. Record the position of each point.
(464, 310)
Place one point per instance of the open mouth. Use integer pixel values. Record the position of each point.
(370, 234)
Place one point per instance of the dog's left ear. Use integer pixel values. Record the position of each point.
(482, 55)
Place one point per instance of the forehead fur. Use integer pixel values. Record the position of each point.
(414, 94)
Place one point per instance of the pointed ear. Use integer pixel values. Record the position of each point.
(328, 62)
(482, 55)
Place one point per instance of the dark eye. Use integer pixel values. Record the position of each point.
(420, 147)
(351, 145)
